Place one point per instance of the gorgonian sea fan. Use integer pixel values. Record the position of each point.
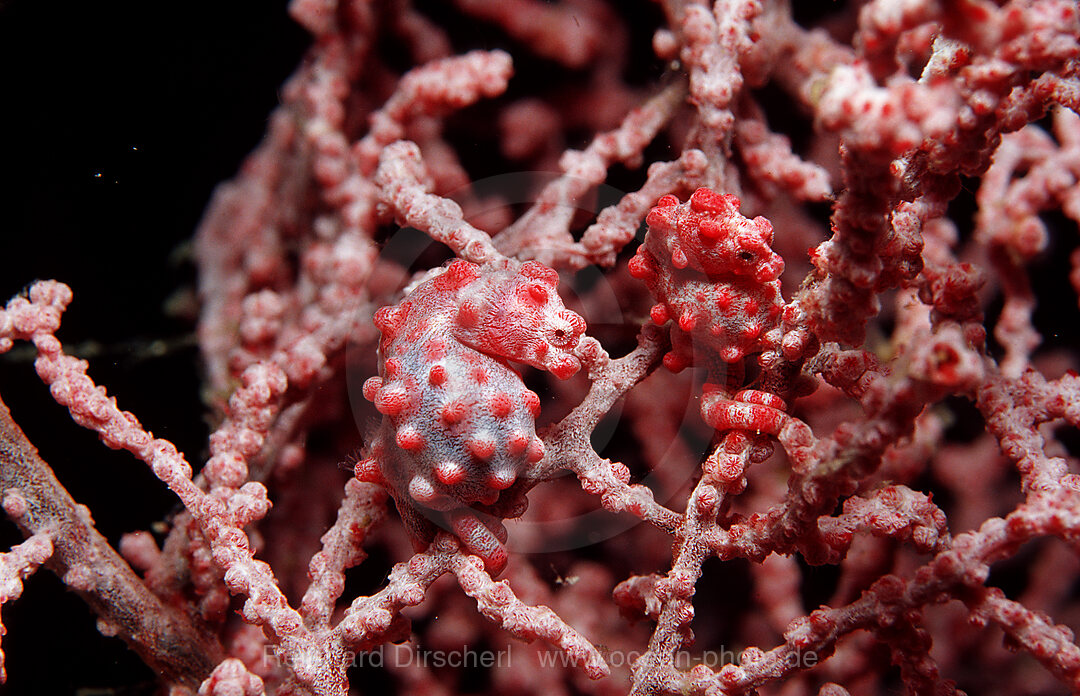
(770, 414)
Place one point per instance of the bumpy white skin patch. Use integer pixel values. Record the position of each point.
(459, 423)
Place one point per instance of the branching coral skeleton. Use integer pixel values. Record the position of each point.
(843, 345)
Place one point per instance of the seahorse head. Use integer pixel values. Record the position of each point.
(708, 234)
(517, 315)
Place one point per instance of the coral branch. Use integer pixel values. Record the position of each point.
(400, 179)
(18, 564)
(847, 229)
(165, 638)
(497, 602)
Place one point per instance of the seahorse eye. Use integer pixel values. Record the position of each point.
(562, 335)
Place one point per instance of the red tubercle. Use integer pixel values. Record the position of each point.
(705, 200)
(450, 473)
(372, 385)
(454, 411)
(535, 452)
(368, 471)
(410, 439)
(640, 267)
(516, 443)
(391, 401)
(675, 363)
(564, 366)
(667, 201)
(456, 276)
(481, 446)
(532, 402)
(537, 270)
(679, 259)
(500, 480)
(710, 230)
(751, 331)
(501, 404)
(538, 292)
(468, 315)
(421, 490)
(390, 319)
(437, 375)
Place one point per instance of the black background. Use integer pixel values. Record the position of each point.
(117, 119)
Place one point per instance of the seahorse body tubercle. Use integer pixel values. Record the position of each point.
(458, 421)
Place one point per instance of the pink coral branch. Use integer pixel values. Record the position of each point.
(867, 345)
(369, 619)
(497, 602)
(221, 517)
(165, 638)
(567, 445)
(564, 31)
(543, 232)
(436, 88)
(18, 564)
(401, 182)
(616, 225)
(361, 511)
(768, 158)
(232, 678)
